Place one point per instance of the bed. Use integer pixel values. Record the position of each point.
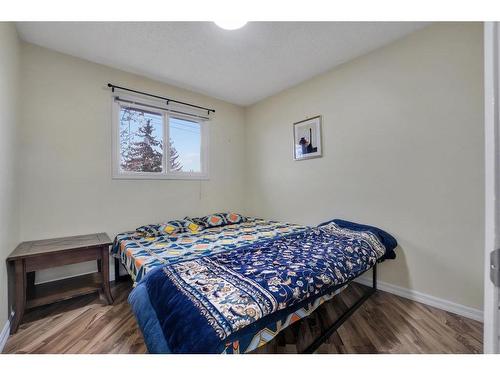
(246, 284)
(139, 253)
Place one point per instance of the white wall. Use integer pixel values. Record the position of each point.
(66, 185)
(403, 150)
(9, 223)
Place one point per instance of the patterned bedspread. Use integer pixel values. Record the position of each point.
(211, 304)
(141, 254)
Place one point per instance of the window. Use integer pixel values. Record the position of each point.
(185, 145)
(149, 142)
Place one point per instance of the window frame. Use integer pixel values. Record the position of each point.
(166, 173)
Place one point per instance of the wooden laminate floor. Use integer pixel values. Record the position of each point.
(384, 324)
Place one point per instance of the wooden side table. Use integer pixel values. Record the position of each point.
(32, 256)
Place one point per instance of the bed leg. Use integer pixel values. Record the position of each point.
(342, 318)
(117, 271)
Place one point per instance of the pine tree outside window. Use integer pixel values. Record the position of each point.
(152, 144)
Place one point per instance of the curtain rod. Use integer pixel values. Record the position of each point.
(113, 87)
(117, 98)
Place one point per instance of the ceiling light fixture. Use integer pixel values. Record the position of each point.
(230, 24)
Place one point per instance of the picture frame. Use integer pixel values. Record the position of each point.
(307, 139)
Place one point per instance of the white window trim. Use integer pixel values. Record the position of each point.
(167, 174)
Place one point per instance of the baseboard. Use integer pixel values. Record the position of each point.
(4, 335)
(426, 299)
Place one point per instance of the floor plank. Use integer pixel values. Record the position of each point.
(384, 324)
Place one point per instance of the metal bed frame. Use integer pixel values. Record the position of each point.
(342, 318)
(119, 277)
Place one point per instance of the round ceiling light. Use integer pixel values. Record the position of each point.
(230, 24)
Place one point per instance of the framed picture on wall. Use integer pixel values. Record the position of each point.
(307, 138)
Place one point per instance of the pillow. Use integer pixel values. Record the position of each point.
(210, 221)
(170, 228)
(233, 218)
(192, 227)
(218, 219)
(196, 220)
(173, 226)
(389, 242)
(151, 230)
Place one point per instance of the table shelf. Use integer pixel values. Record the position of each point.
(61, 290)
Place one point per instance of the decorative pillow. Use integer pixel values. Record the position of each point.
(173, 226)
(170, 227)
(181, 226)
(209, 221)
(197, 220)
(152, 230)
(218, 219)
(192, 227)
(233, 218)
(215, 220)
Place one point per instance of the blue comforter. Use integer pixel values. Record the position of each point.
(198, 305)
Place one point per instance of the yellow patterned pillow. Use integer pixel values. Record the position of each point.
(173, 227)
(170, 229)
(193, 227)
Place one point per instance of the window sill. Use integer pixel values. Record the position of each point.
(160, 177)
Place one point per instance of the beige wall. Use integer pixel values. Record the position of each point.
(66, 186)
(403, 150)
(9, 219)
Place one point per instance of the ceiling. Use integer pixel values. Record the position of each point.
(241, 66)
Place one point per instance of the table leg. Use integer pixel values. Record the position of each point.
(105, 274)
(30, 283)
(20, 299)
(117, 269)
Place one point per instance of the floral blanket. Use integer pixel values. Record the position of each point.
(140, 254)
(204, 304)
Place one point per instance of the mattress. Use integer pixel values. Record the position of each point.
(140, 254)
